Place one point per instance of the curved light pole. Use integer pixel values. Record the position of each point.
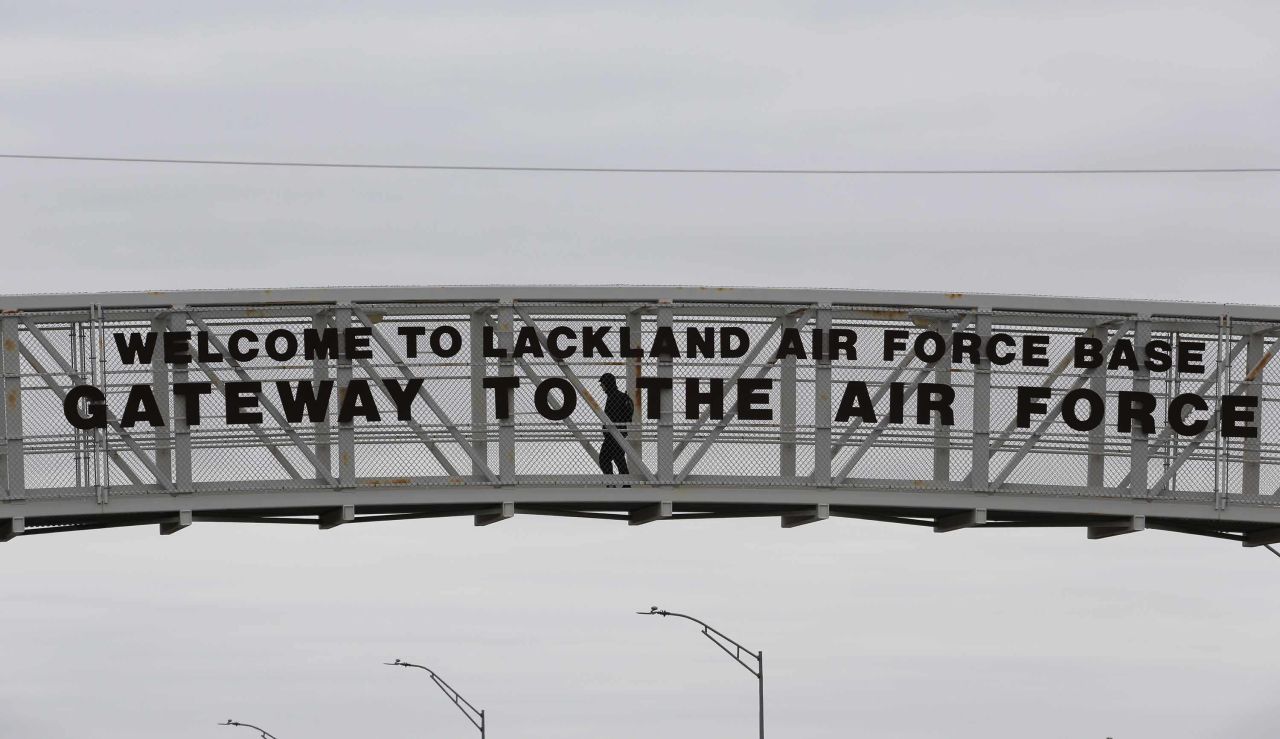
(473, 714)
(259, 729)
(720, 640)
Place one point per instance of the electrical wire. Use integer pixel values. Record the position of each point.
(639, 170)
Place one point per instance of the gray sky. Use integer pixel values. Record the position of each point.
(885, 631)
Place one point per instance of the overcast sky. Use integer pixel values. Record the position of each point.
(869, 630)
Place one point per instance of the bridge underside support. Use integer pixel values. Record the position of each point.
(961, 520)
(820, 512)
(325, 508)
(1116, 528)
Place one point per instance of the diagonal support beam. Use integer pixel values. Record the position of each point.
(307, 452)
(75, 377)
(572, 425)
(1204, 389)
(452, 428)
(61, 393)
(633, 458)
(417, 428)
(1012, 427)
(737, 374)
(1161, 486)
(1056, 410)
(256, 429)
(898, 371)
(732, 412)
(883, 424)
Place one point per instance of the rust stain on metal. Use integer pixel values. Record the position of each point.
(954, 296)
(1257, 371)
(380, 481)
(10, 345)
(12, 398)
(375, 317)
(886, 314)
(255, 313)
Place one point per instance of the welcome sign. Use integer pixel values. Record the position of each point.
(1082, 409)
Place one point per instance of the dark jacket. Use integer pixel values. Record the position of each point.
(619, 409)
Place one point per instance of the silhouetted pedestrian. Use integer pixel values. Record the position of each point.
(619, 409)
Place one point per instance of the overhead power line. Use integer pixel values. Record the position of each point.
(645, 170)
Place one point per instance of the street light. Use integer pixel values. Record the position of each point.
(720, 640)
(261, 731)
(473, 714)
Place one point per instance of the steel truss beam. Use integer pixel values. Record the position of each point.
(1162, 483)
(883, 424)
(393, 355)
(633, 458)
(162, 478)
(801, 320)
(270, 407)
(578, 434)
(1054, 411)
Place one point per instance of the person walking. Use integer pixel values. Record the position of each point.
(619, 409)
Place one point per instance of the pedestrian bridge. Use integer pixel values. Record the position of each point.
(349, 405)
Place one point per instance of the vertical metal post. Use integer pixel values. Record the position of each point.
(506, 368)
(73, 356)
(760, 658)
(161, 390)
(84, 449)
(323, 446)
(104, 384)
(4, 425)
(1095, 473)
(479, 402)
(1138, 450)
(97, 451)
(980, 465)
(942, 432)
(822, 404)
(1220, 463)
(666, 424)
(787, 408)
(11, 366)
(346, 431)
(181, 429)
(635, 368)
(1253, 387)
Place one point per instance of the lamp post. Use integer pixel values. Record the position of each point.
(473, 714)
(261, 731)
(720, 640)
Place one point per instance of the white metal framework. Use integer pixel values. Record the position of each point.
(455, 457)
